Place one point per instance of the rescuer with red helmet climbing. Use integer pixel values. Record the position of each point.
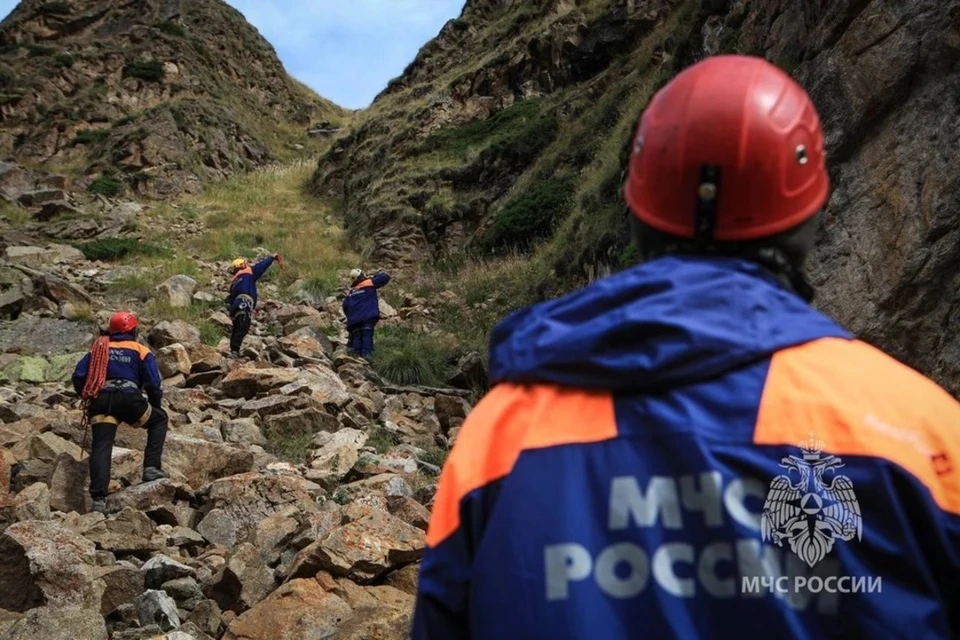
(112, 380)
(688, 449)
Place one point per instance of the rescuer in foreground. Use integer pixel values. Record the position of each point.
(111, 380)
(687, 449)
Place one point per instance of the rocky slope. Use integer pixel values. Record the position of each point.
(507, 134)
(154, 96)
(238, 543)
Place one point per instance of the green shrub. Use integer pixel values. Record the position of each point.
(288, 444)
(54, 8)
(64, 60)
(110, 249)
(435, 456)
(172, 28)
(503, 125)
(90, 136)
(125, 120)
(531, 216)
(146, 70)
(210, 333)
(37, 50)
(321, 285)
(106, 186)
(404, 357)
(381, 440)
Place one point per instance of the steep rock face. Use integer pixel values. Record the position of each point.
(509, 130)
(155, 95)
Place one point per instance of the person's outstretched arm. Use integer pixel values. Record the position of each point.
(261, 267)
(380, 279)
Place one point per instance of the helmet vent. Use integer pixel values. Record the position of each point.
(802, 155)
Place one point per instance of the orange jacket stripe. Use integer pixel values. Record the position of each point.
(893, 413)
(510, 419)
(246, 271)
(134, 346)
(363, 284)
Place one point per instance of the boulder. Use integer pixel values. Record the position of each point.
(144, 496)
(46, 447)
(173, 359)
(33, 503)
(156, 607)
(201, 462)
(299, 610)
(364, 549)
(301, 345)
(250, 381)
(46, 563)
(185, 591)
(187, 400)
(177, 291)
(122, 586)
(239, 503)
(301, 422)
(178, 331)
(409, 510)
(206, 617)
(269, 405)
(321, 383)
(129, 531)
(161, 569)
(58, 623)
(243, 581)
(203, 358)
(450, 411)
(70, 484)
(29, 472)
(337, 453)
(381, 612)
(61, 291)
(471, 373)
(243, 431)
(275, 532)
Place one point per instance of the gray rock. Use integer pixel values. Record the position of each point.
(185, 591)
(177, 291)
(243, 431)
(178, 331)
(173, 359)
(243, 581)
(123, 585)
(58, 623)
(156, 607)
(161, 569)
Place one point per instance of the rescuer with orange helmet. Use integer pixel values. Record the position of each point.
(687, 449)
(112, 380)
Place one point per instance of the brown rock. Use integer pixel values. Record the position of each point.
(299, 610)
(173, 359)
(275, 532)
(249, 381)
(300, 345)
(406, 579)
(46, 447)
(122, 586)
(410, 511)
(206, 616)
(301, 422)
(187, 400)
(144, 496)
(4, 476)
(364, 549)
(204, 358)
(200, 462)
(126, 532)
(45, 563)
(61, 291)
(239, 503)
(243, 581)
(30, 472)
(33, 503)
(269, 405)
(320, 383)
(449, 409)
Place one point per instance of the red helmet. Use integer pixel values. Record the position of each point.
(730, 149)
(123, 322)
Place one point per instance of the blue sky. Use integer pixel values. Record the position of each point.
(345, 50)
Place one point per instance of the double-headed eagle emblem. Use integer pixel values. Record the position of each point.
(812, 513)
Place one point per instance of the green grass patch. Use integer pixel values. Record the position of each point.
(289, 444)
(40, 50)
(106, 186)
(405, 357)
(65, 60)
(381, 440)
(90, 136)
(146, 70)
(16, 216)
(113, 249)
(54, 8)
(531, 216)
(501, 127)
(172, 29)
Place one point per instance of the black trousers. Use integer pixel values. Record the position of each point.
(241, 326)
(108, 410)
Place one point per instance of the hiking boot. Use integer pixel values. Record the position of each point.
(233, 355)
(152, 473)
(99, 506)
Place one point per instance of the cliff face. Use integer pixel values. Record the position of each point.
(507, 134)
(158, 95)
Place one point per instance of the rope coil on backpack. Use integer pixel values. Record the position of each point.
(96, 378)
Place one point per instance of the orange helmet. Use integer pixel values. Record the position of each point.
(730, 149)
(123, 322)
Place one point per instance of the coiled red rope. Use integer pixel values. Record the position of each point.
(96, 377)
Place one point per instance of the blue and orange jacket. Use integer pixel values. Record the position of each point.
(362, 303)
(245, 282)
(688, 450)
(129, 360)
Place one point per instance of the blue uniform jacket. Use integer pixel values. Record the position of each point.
(688, 450)
(245, 282)
(362, 303)
(129, 360)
